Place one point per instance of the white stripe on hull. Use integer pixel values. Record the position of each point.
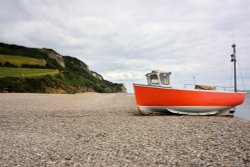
(189, 110)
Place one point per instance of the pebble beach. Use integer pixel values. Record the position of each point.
(92, 129)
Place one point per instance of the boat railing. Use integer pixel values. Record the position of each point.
(186, 85)
(225, 88)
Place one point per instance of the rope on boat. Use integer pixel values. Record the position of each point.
(241, 76)
(234, 41)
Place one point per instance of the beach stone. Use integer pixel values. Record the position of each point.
(94, 129)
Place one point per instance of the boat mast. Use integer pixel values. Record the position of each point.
(233, 59)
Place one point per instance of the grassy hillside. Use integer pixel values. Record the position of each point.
(60, 74)
(25, 72)
(48, 55)
(20, 60)
(77, 74)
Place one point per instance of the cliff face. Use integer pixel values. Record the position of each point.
(72, 74)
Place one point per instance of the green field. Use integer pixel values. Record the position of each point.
(25, 72)
(20, 60)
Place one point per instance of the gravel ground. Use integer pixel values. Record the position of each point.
(103, 130)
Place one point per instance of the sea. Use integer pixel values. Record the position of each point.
(242, 111)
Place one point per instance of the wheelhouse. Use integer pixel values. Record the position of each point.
(158, 78)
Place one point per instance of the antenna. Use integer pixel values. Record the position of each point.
(233, 59)
(194, 80)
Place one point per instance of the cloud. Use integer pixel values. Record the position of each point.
(123, 40)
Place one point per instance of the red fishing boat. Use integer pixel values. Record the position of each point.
(159, 97)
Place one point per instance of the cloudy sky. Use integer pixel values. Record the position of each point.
(123, 40)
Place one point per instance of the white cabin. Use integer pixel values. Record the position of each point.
(158, 78)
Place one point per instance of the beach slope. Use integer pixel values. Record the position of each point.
(94, 129)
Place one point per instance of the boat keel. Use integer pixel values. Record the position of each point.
(187, 110)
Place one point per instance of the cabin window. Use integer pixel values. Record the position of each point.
(164, 78)
(154, 79)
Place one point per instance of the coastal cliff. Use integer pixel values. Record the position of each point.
(24, 69)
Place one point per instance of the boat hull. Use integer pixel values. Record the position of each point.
(153, 99)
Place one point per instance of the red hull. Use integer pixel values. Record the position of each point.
(151, 96)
